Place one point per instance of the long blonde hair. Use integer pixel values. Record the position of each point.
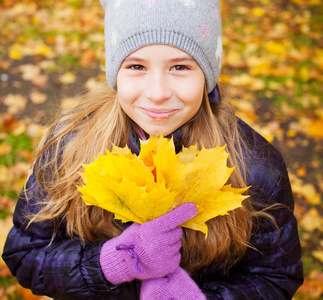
(80, 134)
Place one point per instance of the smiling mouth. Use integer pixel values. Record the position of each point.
(159, 114)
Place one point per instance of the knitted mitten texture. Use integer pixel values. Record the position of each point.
(146, 251)
(176, 286)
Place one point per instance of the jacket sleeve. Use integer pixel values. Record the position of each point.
(272, 268)
(63, 268)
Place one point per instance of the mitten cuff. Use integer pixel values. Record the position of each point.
(176, 286)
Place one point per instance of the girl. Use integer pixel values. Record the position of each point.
(163, 62)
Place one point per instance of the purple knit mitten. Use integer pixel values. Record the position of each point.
(146, 251)
(176, 286)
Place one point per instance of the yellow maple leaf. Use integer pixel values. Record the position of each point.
(142, 188)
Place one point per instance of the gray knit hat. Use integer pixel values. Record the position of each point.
(193, 26)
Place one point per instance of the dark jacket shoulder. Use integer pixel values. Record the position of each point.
(267, 175)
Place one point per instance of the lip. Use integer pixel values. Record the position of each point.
(158, 114)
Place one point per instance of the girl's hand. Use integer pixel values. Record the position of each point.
(146, 251)
(176, 286)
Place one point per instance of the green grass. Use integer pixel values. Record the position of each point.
(17, 143)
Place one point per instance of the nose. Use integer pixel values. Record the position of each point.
(158, 87)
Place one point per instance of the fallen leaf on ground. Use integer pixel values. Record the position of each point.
(40, 80)
(301, 172)
(4, 149)
(4, 64)
(234, 59)
(5, 225)
(4, 175)
(67, 78)
(7, 203)
(15, 51)
(15, 103)
(306, 190)
(318, 255)
(37, 97)
(87, 58)
(29, 71)
(93, 84)
(21, 128)
(312, 221)
(311, 287)
(9, 122)
(315, 129)
(4, 271)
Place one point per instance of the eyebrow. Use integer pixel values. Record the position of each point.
(187, 58)
(177, 59)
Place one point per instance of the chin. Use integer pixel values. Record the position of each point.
(158, 133)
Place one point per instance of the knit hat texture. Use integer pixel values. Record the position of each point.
(193, 26)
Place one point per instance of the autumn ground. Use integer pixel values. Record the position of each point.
(50, 50)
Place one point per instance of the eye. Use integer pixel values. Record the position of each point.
(180, 68)
(137, 67)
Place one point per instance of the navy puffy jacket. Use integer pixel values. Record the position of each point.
(67, 269)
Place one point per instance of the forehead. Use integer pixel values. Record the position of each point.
(159, 51)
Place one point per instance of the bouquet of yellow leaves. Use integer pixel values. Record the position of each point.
(142, 188)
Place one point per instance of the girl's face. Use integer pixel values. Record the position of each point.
(160, 88)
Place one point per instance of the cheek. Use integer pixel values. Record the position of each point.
(123, 99)
(128, 89)
(126, 104)
(194, 90)
(194, 97)
(125, 95)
